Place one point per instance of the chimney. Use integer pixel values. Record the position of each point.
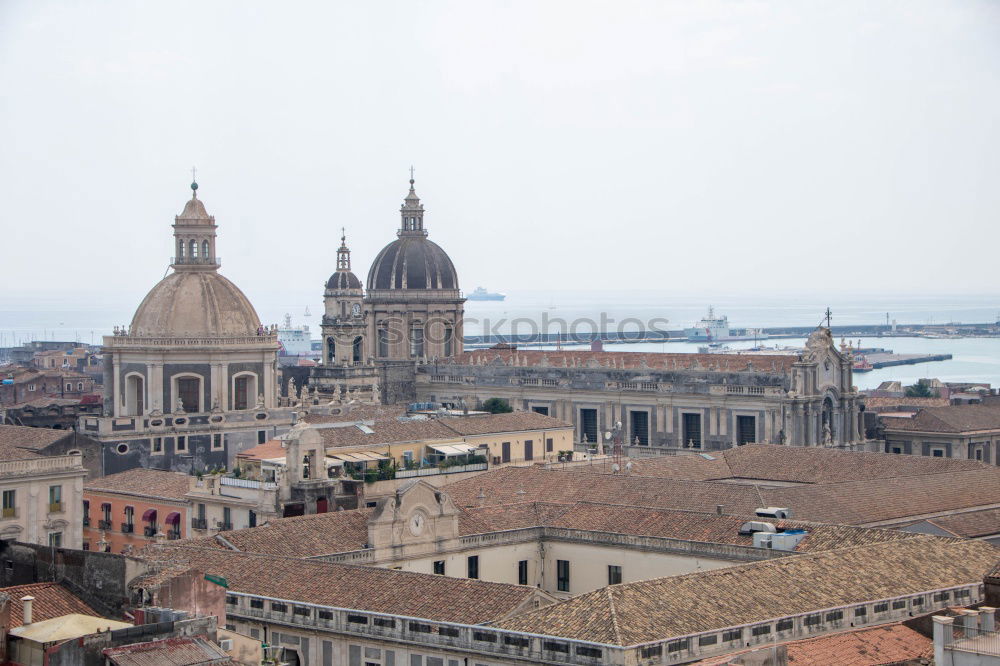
(720, 509)
(26, 602)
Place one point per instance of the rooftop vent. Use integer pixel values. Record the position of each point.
(754, 526)
(777, 512)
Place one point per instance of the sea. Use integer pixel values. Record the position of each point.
(86, 319)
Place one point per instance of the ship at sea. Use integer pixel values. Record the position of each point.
(712, 328)
(294, 340)
(480, 294)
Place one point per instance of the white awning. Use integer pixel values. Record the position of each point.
(459, 449)
(359, 456)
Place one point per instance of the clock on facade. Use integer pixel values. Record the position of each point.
(417, 521)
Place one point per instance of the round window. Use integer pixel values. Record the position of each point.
(122, 448)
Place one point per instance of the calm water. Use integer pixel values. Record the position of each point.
(88, 318)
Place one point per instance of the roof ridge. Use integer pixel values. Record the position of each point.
(614, 615)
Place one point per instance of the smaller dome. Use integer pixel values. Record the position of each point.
(194, 211)
(343, 280)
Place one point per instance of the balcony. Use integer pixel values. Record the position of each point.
(149, 531)
(55, 507)
(196, 261)
(199, 523)
(10, 512)
(104, 524)
(86, 521)
(173, 536)
(128, 528)
(225, 527)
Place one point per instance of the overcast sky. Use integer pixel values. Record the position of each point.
(688, 146)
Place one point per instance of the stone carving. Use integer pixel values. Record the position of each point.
(292, 392)
(827, 434)
(377, 394)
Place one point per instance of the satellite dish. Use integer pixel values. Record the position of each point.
(607, 435)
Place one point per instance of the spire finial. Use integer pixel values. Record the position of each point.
(411, 176)
(194, 182)
(343, 235)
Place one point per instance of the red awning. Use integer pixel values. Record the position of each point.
(173, 518)
(149, 514)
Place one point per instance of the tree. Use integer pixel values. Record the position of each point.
(497, 406)
(922, 389)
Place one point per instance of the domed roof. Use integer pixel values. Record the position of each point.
(412, 262)
(195, 304)
(343, 280)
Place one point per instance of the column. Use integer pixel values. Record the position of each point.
(155, 388)
(268, 379)
(223, 387)
(943, 636)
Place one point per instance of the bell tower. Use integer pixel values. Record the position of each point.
(194, 237)
(412, 214)
(343, 318)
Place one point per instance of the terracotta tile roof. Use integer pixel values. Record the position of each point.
(881, 403)
(366, 588)
(873, 646)
(357, 413)
(792, 464)
(661, 608)
(952, 419)
(273, 448)
(143, 482)
(18, 442)
(848, 503)
(970, 524)
(498, 423)
(168, 652)
(778, 364)
(820, 465)
(301, 536)
(51, 600)
(386, 431)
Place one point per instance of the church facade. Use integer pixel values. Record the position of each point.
(410, 313)
(192, 381)
(399, 339)
(667, 402)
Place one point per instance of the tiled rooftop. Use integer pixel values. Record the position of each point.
(887, 644)
(778, 364)
(143, 482)
(861, 502)
(661, 608)
(301, 536)
(51, 600)
(951, 419)
(20, 442)
(371, 589)
(168, 652)
(970, 524)
(500, 423)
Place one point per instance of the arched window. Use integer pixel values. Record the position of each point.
(331, 350)
(187, 392)
(244, 391)
(357, 348)
(204, 249)
(194, 249)
(180, 249)
(135, 395)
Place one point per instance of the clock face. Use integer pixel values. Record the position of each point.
(355, 309)
(417, 522)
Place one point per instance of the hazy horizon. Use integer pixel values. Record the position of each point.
(696, 149)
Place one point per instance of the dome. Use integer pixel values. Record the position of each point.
(343, 280)
(412, 262)
(189, 304)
